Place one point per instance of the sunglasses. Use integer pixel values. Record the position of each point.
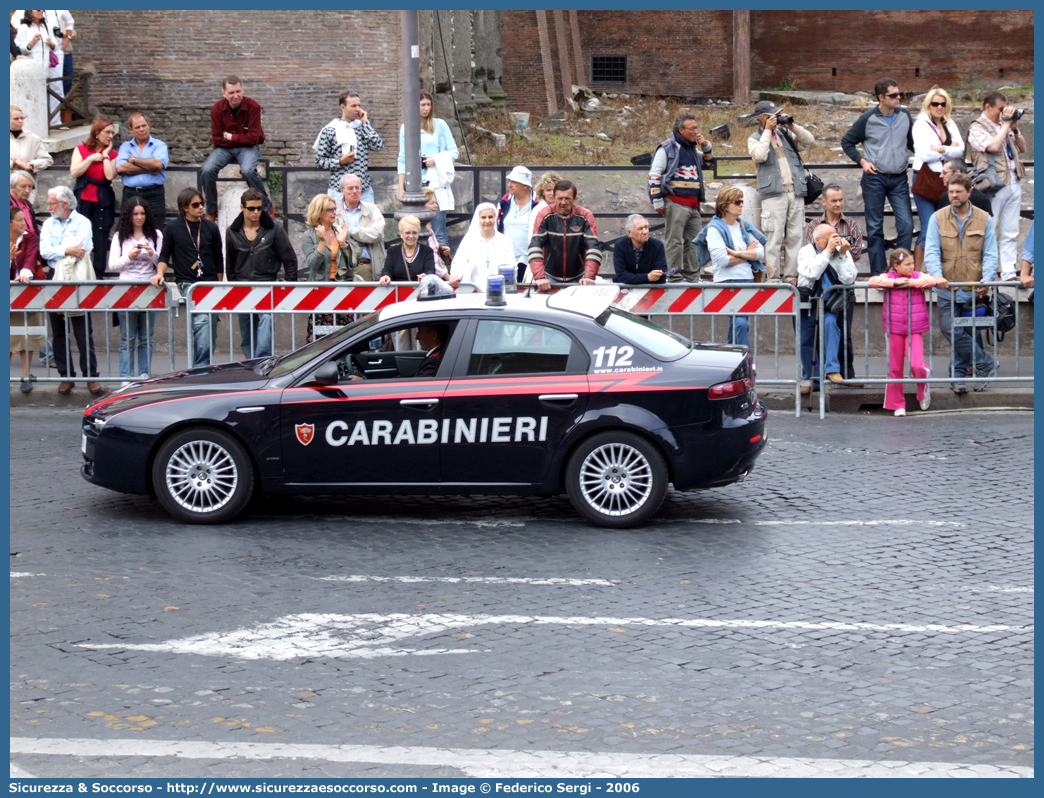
(737, 202)
(894, 96)
(252, 208)
(195, 204)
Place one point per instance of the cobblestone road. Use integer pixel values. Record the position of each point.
(862, 605)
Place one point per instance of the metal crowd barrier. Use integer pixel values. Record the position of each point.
(63, 302)
(976, 323)
(768, 303)
(335, 303)
(699, 310)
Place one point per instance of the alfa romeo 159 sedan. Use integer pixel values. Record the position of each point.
(537, 395)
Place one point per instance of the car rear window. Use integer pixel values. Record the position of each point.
(651, 338)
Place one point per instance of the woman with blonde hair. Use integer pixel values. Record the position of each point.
(326, 256)
(936, 140)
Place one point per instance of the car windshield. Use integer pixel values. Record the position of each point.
(652, 338)
(291, 361)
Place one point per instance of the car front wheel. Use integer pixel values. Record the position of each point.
(203, 476)
(616, 479)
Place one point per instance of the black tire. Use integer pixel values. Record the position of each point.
(616, 479)
(203, 476)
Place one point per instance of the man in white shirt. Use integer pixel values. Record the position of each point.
(825, 262)
(67, 235)
(515, 215)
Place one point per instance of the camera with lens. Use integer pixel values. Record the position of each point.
(57, 32)
(1014, 116)
(849, 239)
(784, 119)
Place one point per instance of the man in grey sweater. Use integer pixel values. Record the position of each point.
(885, 131)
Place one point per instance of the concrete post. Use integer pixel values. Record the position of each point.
(413, 198)
(29, 92)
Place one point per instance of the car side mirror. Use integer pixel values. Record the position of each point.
(326, 374)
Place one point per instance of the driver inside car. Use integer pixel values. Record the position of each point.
(432, 338)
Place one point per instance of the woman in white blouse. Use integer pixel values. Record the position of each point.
(37, 40)
(134, 252)
(936, 140)
(483, 251)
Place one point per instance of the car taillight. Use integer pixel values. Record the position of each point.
(727, 390)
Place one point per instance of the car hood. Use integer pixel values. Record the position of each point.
(209, 380)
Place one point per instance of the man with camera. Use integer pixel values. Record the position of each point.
(995, 143)
(782, 185)
(825, 262)
(848, 228)
(961, 247)
(886, 133)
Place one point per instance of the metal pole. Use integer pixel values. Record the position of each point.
(413, 198)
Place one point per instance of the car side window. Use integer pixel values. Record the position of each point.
(508, 347)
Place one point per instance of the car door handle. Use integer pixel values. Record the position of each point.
(561, 398)
(429, 403)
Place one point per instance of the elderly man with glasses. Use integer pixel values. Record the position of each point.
(886, 133)
(66, 243)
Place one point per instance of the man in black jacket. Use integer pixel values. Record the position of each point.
(192, 250)
(255, 250)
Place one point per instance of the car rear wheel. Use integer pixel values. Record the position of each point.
(203, 476)
(616, 479)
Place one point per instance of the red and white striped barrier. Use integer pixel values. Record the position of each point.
(709, 299)
(100, 295)
(299, 297)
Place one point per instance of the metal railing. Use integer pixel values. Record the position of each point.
(298, 310)
(983, 316)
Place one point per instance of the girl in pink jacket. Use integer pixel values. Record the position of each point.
(904, 316)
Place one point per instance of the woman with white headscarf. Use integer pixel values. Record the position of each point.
(483, 251)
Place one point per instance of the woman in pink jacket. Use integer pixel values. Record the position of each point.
(904, 316)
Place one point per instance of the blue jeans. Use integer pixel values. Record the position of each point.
(739, 327)
(925, 209)
(256, 328)
(247, 158)
(438, 225)
(136, 327)
(830, 358)
(204, 335)
(876, 189)
(968, 353)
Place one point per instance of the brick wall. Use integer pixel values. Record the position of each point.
(688, 53)
(294, 63)
(670, 53)
(919, 49)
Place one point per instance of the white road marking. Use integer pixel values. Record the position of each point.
(16, 574)
(487, 580)
(997, 589)
(891, 522)
(500, 763)
(370, 635)
(18, 773)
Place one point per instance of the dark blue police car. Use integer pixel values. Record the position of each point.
(539, 395)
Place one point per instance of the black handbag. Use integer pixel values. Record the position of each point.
(839, 301)
(813, 184)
